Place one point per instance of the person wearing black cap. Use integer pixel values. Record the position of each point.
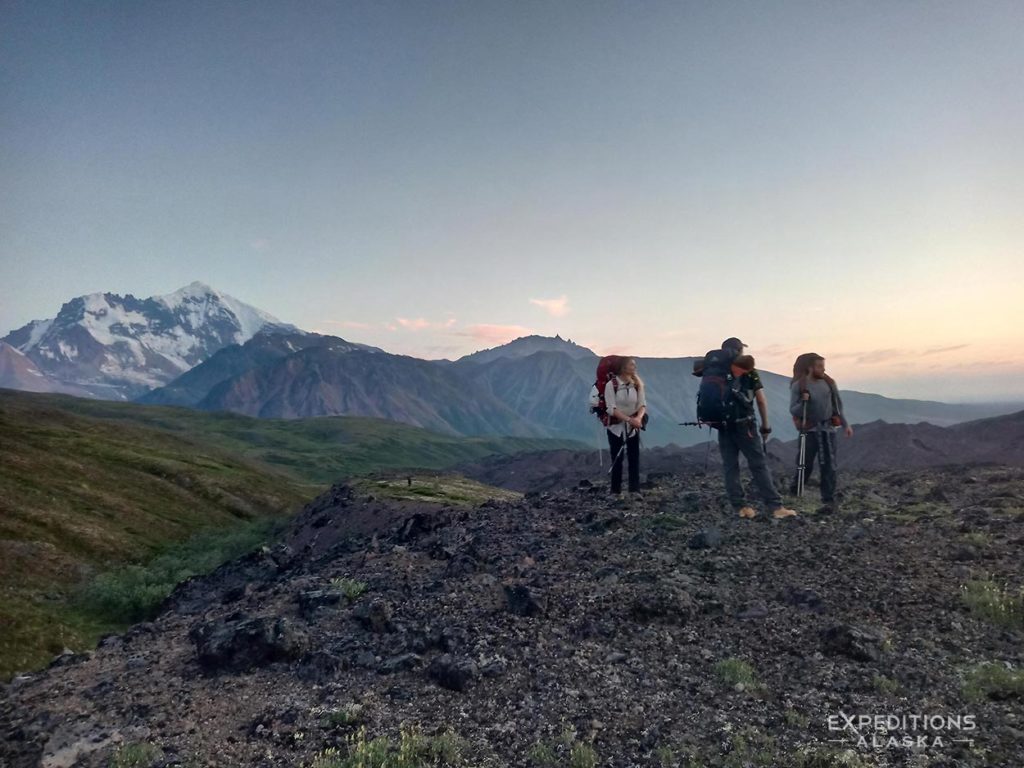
(740, 436)
(737, 426)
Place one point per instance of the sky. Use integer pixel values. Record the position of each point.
(439, 177)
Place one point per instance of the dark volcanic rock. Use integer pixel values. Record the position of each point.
(710, 538)
(801, 598)
(856, 642)
(453, 673)
(374, 616)
(247, 642)
(522, 602)
(639, 641)
(398, 663)
(312, 600)
(662, 602)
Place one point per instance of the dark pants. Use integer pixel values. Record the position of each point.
(744, 438)
(632, 453)
(821, 447)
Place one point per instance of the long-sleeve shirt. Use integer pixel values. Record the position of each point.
(627, 399)
(820, 408)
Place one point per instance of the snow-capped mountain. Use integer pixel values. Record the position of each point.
(118, 347)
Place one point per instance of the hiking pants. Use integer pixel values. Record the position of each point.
(744, 438)
(821, 445)
(632, 453)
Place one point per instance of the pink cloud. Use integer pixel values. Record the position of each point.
(496, 334)
(349, 324)
(555, 307)
(413, 325)
(422, 324)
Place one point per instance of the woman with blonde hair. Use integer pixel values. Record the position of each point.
(627, 409)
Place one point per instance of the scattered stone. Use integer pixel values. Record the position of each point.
(855, 642)
(312, 600)
(801, 597)
(374, 616)
(399, 662)
(453, 673)
(521, 602)
(662, 602)
(366, 659)
(248, 642)
(710, 538)
(753, 611)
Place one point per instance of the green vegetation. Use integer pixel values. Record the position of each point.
(440, 489)
(885, 685)
(92, 486)
(749, 746)
(135, 756)
(341, 718)
(737, 672)
(317, 450)
(994, 681)
(795, 719)
(1000, 605)
(412, 749)
(132, 593)
(350, 588)
(79, 495)
(977, 538)
(565, 750)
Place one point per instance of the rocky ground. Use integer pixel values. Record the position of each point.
(568, 629)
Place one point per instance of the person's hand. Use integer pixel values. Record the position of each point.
(848, 431)
(765, 429)
(805, 396)
(635, 422)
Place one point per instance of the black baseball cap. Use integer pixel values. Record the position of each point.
(733, 343)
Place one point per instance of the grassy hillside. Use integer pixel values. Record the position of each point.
(88, 486)
(318, 450)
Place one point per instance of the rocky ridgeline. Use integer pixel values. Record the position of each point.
(567, 629)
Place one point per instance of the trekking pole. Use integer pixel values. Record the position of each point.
(625, 438)
(802, 453)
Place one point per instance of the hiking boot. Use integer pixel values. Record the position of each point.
(828, 508)
(782, 512)
(748, 513)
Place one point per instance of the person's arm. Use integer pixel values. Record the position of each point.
(641, 400)
(762, 407)
(847, 429)
(796, 404)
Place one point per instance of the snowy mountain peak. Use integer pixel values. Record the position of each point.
(121, 346)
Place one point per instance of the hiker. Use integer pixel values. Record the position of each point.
(815, 390)
(626, 406)
(729, 395)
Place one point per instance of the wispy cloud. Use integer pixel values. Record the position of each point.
(422, 324)
(555, 307)
(495, 334)
(943, 350)
(349, 324)
(890, 354)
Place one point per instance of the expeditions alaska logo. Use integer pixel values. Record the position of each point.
(903, 731)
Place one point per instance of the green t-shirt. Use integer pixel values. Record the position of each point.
(746, 388)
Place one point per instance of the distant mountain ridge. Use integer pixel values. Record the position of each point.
(538, 393)
(201, 348)
(119, 347)
(525, 346)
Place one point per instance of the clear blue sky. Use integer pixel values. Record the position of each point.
(435, 177)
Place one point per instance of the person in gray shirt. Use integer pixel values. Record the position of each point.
(815, 388)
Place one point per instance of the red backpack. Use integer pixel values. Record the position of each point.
(606, 368)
